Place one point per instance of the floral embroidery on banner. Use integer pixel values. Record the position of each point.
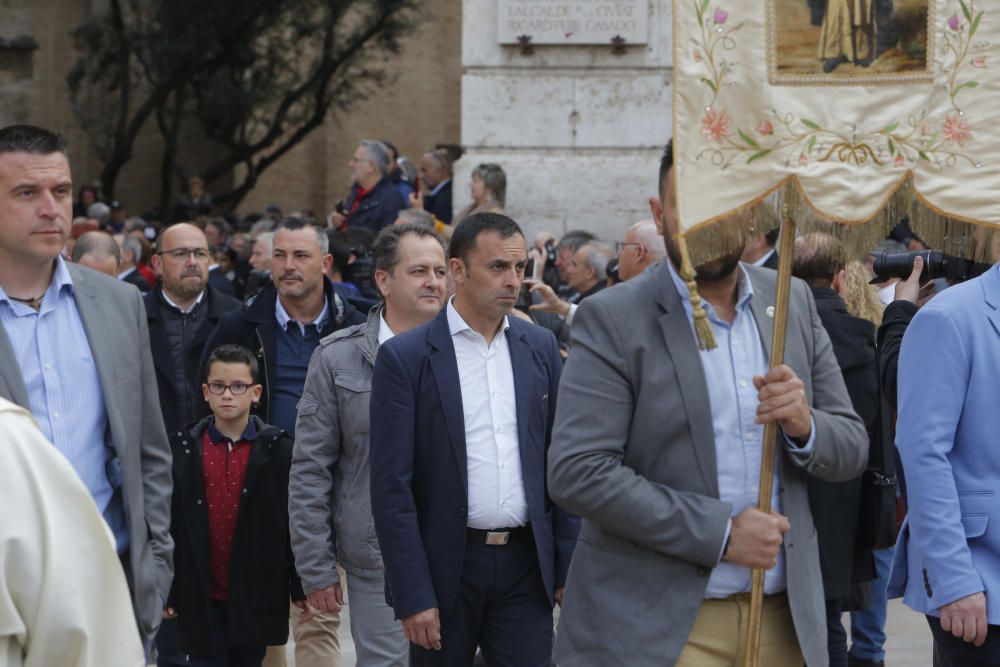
(902, 143)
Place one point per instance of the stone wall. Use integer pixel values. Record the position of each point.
(578, 129)
(422, 108)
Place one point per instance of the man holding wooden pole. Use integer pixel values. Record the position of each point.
(657, 446)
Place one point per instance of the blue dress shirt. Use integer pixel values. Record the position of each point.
(729, 372)
(64, 390)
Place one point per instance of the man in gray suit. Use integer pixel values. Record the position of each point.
(74, 350)
(657, 446)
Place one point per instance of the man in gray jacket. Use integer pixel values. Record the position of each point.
(657, 446)
(330, 476)
(74, 351)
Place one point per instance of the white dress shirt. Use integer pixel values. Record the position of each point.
(496, 487)
(384, 332)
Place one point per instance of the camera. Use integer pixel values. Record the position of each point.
(524, 296)
(936, 265)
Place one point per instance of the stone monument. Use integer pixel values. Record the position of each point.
(572, 98)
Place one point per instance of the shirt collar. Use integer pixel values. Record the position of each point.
(62, 281)
(384, 332)
(457, 325)
(283, 318)
(440, 185)
(767, 256)
(216, 437)
(170, 302)
(744, 290)
(126, 273)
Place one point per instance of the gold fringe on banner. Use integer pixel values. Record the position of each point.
(702, 327)
(951, 235)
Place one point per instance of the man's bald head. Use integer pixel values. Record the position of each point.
(98, 251)
(182, 261)
(642, 246)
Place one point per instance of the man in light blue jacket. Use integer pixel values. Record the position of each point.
(948, 556)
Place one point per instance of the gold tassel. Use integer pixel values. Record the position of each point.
(702, 327)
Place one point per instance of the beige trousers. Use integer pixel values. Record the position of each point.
(718, 638)
(317, 643)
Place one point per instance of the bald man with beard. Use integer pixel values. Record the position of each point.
(182, 311)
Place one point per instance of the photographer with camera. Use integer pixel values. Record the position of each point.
(946, 430)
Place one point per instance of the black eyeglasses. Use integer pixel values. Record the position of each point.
(180, 254)
(236, 388)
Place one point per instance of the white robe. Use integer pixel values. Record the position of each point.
(844, 19)
(64, 601)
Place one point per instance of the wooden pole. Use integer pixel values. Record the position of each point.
(769, 454)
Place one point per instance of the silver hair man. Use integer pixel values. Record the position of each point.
(378, 153)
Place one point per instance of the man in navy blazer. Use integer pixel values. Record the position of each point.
(475, 551)
(948, 552)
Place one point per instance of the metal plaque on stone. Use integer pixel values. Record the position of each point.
(573, 21)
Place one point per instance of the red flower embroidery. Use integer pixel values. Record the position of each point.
(956, 130)
(716, 126)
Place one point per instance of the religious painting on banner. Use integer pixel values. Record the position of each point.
(864, 41)
(848, 111)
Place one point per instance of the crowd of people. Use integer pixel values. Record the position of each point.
(456, 431)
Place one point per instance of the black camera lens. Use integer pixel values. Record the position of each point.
(936, 265)
(900, 265)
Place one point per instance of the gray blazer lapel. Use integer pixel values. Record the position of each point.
(11, 383)
(680, 341)
(101, 346)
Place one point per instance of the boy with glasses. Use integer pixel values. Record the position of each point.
(234, 566)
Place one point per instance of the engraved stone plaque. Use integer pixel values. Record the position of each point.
(573, 21)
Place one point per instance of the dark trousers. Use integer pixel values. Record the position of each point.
(168, 649)
(952, 651)
(223, 653)
(836, 636)
(501, 607)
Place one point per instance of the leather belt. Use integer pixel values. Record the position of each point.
(498, 537)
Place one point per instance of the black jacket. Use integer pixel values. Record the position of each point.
(135, 278)
(835, 505)
(439, 205)
(772, 261)
(261, 571)
(895, 319)
(379, 209)
(175, 413)
(256, 328)
(218, 280)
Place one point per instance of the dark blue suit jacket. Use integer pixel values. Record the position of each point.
(419, 476)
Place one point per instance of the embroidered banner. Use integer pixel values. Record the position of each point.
(851, 108)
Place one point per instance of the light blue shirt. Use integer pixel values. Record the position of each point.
(729, 372)
(64, 390)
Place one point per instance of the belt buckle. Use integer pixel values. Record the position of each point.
(497, 538)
